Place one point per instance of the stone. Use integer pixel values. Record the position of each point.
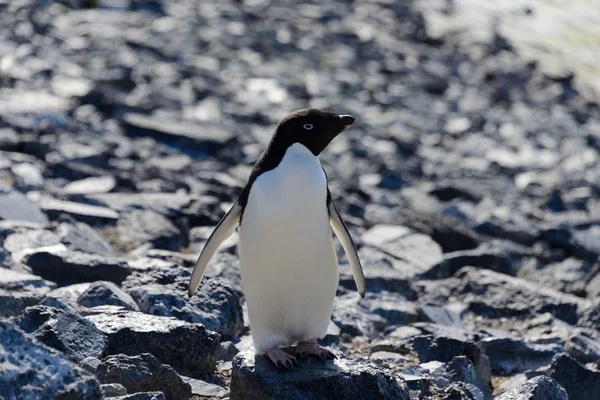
(106, 293)
(538, 388)
(204, 137)
(139, 227)
(583, 346)
(96, 184)
(113, 389)
(69, 333)
(14, 206)
(87, 213)
(205, 389)
(512, 355)
(143, 373)
(481, 258)
(579, 382)
(22, 241)
(254, 377)
(182, 345)
(81, 237)
(215, 305)
(142, 396)
(19, 290)
(32, 370)
(73, 266)
(65, 297)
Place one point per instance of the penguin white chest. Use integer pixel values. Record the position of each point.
(288, 262)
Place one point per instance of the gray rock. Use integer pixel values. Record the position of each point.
(167, 204)
(139, 227)
(32, 370)
(583, 346)
(205, 389)
(96, 184)
(143, 373)
(142, 396)
(87, 213)
(354, 320)
(81, 237)
(24, 239)
(205, 137)
(512, 355)
(495, 295)
(67, 267)
(538, 388)
(216, 305)
(69, 333)
(14, 206)
(19, 290)
(113, 389)
(254, 377)
(480, 258)
(460, 391)
(182, 345)
(461, 369)
(106, 293)
(66, 297)
(228, 351)
(579, 382)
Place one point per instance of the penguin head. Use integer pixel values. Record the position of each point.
(312, 128)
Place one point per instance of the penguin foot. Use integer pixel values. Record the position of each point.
(281, 359)
(312, 348)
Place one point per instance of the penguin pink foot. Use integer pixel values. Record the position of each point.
(281, 359)
(312, 348)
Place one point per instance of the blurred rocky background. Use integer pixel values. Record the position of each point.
(470, 183)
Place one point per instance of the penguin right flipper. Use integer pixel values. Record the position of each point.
(224, 229)
(339, 227)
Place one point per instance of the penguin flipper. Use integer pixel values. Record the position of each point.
(223, 230)
(339, 227)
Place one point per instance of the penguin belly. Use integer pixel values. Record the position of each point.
(288, 262)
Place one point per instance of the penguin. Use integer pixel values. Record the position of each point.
(288, 263)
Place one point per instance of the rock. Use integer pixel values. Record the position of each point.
(69, 333)
(32, 370)
(461, 369)
(579, 382)
(113, 390)
(538, 388)
(430, 348)
(96, 184)
(139, 227)
(73, 266)
(498, 295)
(509, 356)
(460, 391)
(166, 204)
(142, 396)
(81, 237)
(19, 290)
(143, 373)
(254, 377)
(14, 206)
(204, 137)
(66, 297)
(21, 241)
(583, 346)
(204, 389)
(354, 320)
(480, 258)
(106, 293)
(182, 345)
(414, 248)
(80, 211)
(216, 305)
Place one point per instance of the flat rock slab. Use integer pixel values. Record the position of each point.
(143, 373)
(183, 345)
(538, 388)
(254, 377)
(67, 267)
(18, 290)
(33, 371)
(579, 382)
(69, 333)
(14, 206)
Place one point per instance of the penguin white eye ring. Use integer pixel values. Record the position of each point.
(308, 127)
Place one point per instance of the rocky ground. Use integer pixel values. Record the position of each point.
(127, 127)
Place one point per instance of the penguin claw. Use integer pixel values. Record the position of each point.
(312, 348)
(281, 359)
(295, 363)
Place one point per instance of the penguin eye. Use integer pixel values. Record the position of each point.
(308, 127)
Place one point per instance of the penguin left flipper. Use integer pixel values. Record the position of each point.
(339, 227)
(223, 230)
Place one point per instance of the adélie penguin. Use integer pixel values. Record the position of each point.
(288, 262)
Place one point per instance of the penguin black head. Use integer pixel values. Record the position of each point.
(311, 127)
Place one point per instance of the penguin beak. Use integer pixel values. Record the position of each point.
(347, 120)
